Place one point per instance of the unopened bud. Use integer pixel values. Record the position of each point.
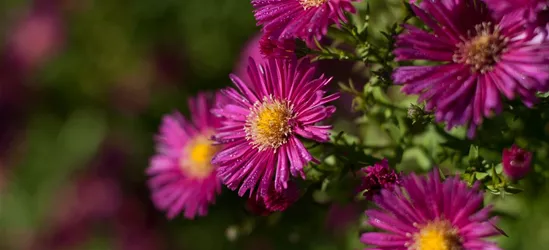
(516, 162)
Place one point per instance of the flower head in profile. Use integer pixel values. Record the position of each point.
(274, 201)
(279, 201)
(256, 206)
(182, 178)
(427, 214)
(278, 49)
(483, 58)
(264, 120)
(304, 19)
(377, 177)
(516, 162)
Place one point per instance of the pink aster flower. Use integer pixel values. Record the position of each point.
(304, 19)
(377, 177)
(535, 12)
(516, 162)
(483, 58)
(282, 101)
(274, 201)
(256, 206)
(429, 214)
(274, 48)
(182, 178)
(280, 201)
(529, 8)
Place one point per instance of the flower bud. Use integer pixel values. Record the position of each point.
(418, 114)
(516, 162)
(377, 177)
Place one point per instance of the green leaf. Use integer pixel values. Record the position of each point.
(513, 190)
(321, 197)
(499, 168)
(473, 152)
(480, 175)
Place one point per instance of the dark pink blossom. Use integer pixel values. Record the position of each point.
(279, 201)
(264, 121)
(304, 19)
(377, 177)
(516, 162)
(482, 60)
(182, 178)
(273, 201)
(277, 49)
(427, 213)
(528, 8)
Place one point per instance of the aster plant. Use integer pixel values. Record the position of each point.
(439, 100)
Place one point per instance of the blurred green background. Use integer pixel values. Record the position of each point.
(83, 86)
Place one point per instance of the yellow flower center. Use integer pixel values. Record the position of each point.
(437, 235)
(483, 50)
(311, 3)
(196, 158)
(268, 124)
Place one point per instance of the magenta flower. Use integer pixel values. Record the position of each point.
(535, 12)
(273, 201)
(304, 19)
(429, 214)
(516, 162)
(182, 176)
(282, 102)
(483, 58)
(377, 177)
(279, 201)
(529, 8)
(256, 205)
(278, 49)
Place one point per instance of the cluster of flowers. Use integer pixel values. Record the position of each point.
(250, 137)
